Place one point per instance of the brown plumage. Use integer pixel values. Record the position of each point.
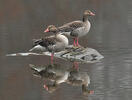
(70, 26)
(45, 42)
(53, 43)
(76, 29)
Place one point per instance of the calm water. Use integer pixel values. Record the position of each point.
(110, 34)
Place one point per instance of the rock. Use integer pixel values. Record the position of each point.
(80, 54)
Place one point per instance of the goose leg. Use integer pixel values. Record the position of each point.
(45, 87)
(76, 65)
(77, 42)
(74, 42)
(52, 56)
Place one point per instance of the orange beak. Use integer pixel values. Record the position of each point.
(92, 14)
(46, 87)
(91, 92)
(47, 30)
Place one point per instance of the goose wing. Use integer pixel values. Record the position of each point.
(69, 27)
(45, 42)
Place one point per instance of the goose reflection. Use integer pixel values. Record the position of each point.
(52, 72)
(58, 74)
(78, 78)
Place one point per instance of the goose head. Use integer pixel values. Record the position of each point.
(86, 14)
(51, 28)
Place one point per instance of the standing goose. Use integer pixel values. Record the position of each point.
(53, 43)
(76, 29)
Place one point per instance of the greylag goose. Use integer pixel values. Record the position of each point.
(77, 78)
(53, 43)
(76, 29)
(54, 73)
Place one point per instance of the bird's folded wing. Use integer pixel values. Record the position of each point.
(71, 26)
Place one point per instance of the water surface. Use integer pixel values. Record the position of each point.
(110, 34)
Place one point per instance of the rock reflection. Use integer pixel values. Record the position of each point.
(59, 74)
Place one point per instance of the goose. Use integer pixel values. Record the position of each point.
(53, 43)
(76, 29)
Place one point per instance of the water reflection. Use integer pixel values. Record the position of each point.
(23, 20)
(53, 72)
(57, 74)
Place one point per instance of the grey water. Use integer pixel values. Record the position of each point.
(110, 34)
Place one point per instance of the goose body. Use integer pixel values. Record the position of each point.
(76, 29)
(54, 43)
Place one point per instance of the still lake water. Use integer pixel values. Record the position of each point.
(110, 34)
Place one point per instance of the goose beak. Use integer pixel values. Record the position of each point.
(47, 30)
(46, 87)
(92, 14)
(91, 92)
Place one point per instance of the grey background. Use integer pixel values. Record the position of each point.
(110, 34)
